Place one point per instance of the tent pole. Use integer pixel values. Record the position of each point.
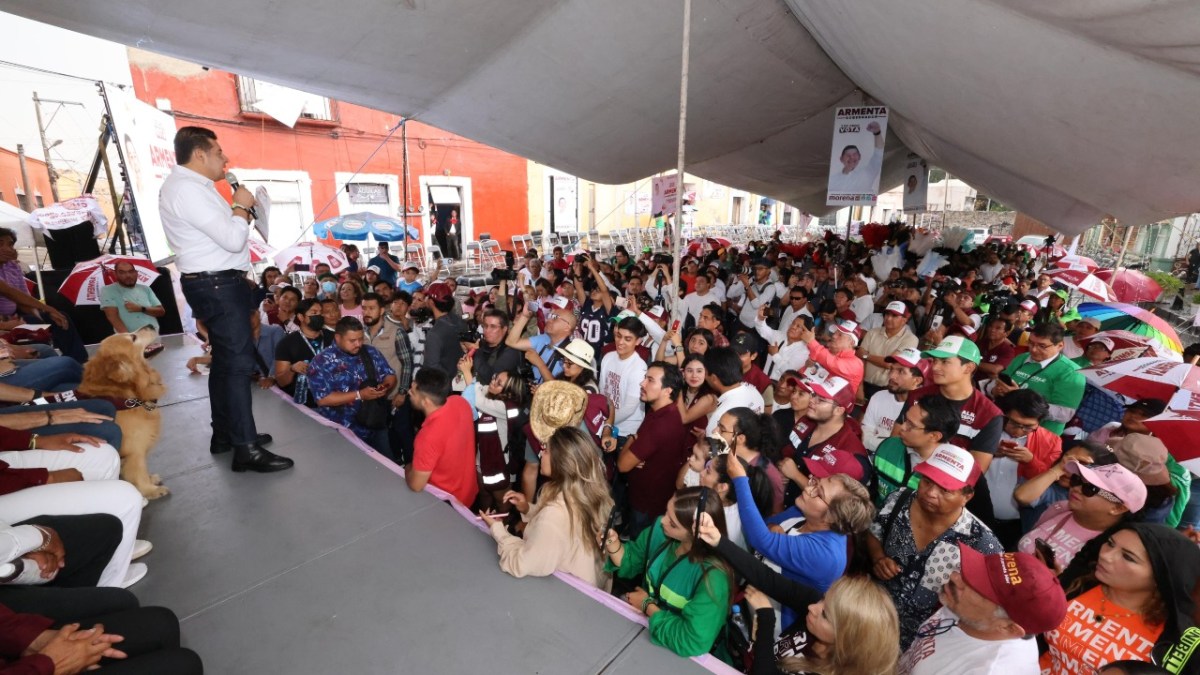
(1121, 255)
(676, 306)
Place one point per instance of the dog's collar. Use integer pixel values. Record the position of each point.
(131, 403)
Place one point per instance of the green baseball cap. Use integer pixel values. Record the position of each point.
(956, 345)
(1070, 316)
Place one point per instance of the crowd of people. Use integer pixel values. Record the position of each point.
(787, 457)
(817, 468)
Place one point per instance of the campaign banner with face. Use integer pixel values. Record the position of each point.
(147, 135)
(664, 191)
(916, 184)
(857, 155)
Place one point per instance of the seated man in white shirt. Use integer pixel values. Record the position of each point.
(990, 612)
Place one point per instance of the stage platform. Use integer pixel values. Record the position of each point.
(337, 567)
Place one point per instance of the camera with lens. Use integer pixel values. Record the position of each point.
(421, 314)
(509, 273)
(664, 259)
(468, 336)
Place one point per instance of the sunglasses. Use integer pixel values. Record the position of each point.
(1089, 490)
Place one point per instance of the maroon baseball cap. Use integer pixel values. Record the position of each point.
(911, 358)
(834, 461)
(438, 291)
(833, 388)
(1021, 584)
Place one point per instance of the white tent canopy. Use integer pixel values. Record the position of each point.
(1068, 110)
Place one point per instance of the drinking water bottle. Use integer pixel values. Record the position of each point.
(300, 396)
(740, 622)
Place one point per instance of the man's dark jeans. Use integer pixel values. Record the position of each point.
(224, 304)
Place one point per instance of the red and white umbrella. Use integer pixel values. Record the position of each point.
(703, 245)
(1144, 377)
(1131, 285)
(259, 252)
(312, 254)
(83, 285)
(1129, 345)
(1178, 430)
(1083, 281)
(1077, 261)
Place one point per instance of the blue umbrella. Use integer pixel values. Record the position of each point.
(357, 226)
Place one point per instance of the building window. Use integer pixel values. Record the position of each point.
(23, 201)
(37, 199)
(251, 91)
(368, 193)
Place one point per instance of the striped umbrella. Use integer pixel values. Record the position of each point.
(1143, 378)
(1122, 316)
(1083, 281)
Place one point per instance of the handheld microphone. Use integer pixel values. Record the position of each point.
(233, 183)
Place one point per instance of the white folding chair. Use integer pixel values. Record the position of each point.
(415, 253)
(473, 257)
(490, 255)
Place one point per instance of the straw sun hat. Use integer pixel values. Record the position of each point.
(556, 404)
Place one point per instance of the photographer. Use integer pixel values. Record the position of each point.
(442, 347)
(560, 326)
(491, 354)
(597, 306)
(659, 284)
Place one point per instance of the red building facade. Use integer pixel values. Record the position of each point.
(339, 158)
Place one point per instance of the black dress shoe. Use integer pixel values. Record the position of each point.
(218, 447)
(251, 457)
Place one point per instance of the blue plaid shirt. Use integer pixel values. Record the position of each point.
(332, 371)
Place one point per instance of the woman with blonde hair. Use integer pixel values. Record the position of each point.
(562, 531)
(852, 630)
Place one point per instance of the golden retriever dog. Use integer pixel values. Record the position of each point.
(119, 372)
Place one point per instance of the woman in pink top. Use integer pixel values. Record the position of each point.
(1100, 497)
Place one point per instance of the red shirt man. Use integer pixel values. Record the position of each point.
(653, 458)
(444, 450)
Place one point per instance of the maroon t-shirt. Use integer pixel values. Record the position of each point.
(755, 377)
(1000, 355)
(662, 444)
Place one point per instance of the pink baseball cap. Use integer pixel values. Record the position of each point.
(1115, 480)
(1029, 305)
(951, 467)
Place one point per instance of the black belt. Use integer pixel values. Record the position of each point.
(218, 273)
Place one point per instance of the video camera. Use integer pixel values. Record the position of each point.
(509, 273)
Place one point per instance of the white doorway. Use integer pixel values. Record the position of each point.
(449, 193)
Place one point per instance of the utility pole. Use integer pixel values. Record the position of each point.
(28, 205)
(37, 106)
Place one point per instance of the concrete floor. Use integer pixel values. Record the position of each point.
(336, 567)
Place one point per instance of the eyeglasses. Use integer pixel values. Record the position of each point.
(1089, 490)
(1041, 345)
(798, 298)
(908, 424)
(940, 627)
(1020, 427)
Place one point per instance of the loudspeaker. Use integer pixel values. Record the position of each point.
(72, 245)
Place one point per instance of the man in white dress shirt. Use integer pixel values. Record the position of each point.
(209, 241)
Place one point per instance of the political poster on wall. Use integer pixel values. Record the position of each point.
(565, 202)
(916, 184)
(857, 155)
(147, 136)
(664, 194)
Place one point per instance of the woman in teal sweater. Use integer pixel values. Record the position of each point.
(685, 585)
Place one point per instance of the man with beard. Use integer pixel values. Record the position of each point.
(880, 343)
(127, 304)
(906, 371)
(339, 382)
(823, 431)
(651, 458)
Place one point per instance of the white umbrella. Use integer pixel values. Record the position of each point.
(312, 254)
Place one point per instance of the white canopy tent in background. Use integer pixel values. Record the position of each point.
(1068, 111)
